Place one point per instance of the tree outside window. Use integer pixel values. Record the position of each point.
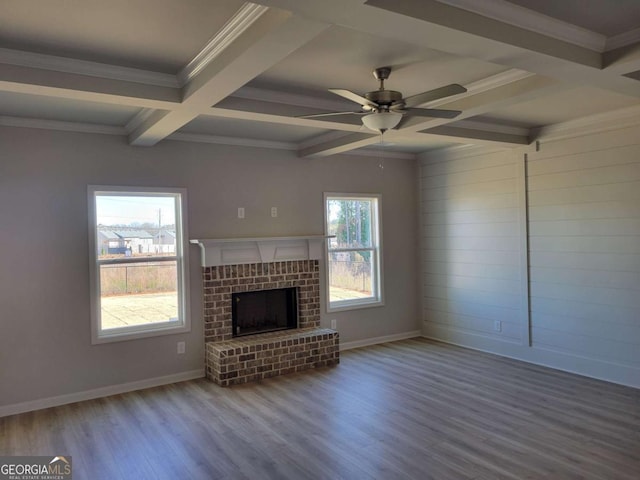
(353, 256)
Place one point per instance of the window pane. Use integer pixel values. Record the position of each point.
(350, 222)
(130, 226)
(134, 295)
(350, 275)
(138, 293)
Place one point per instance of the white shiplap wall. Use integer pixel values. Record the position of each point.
(471, 252)
(582, 198)
(584, 225)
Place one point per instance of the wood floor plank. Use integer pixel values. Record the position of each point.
(414, 409)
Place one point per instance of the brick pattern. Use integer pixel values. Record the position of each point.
(221, 281)
(255, 357)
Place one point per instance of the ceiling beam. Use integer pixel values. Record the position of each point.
(281, 119)
(264, 105)
(477, 136)
(480, 26)
(451, 134)
(490, 100)
(269, 39)
(73, 86)
(460, 134)
(624, 60)
(494, 41)
(340, 145)
(450, 29)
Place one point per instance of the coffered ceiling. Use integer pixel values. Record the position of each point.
(243, 73)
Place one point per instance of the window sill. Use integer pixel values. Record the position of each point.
(338, 307)
(125, 334)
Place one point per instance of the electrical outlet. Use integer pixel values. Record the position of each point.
(274, 212)
(497, 326)
(240, 212)
(334, 323)
(181, 347)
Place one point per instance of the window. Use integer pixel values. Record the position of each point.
(137, 262)
(353, 256)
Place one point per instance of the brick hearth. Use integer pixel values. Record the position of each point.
(255, 357)
(269, 354)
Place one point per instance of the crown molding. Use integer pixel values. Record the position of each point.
(593, 124)
(84, 67)
(235, 141)
(600, 122)
(9, 121)
(241, 20)
(246, 142)
(491, 127)
(377, 153)
(458, 152)
(323, 138)
(504, 11)
(495, 81)
(623, 39)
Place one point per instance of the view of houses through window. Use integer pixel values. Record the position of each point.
(138, 260)
(132, 242)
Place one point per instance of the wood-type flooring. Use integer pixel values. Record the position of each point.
(414, 409)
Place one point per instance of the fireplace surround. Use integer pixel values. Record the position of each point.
(221, 282)
(236, 266)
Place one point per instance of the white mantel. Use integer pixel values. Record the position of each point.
(233, 251)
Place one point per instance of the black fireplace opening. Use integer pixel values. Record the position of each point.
(264, 311)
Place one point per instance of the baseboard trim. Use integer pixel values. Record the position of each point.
(562, 361)
(376, 340)
(48, 402)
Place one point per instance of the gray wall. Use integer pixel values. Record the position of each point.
(44, 291)
(583, 204)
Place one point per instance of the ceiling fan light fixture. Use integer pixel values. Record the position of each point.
(381, 121)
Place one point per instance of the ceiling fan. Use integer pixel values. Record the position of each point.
(383, 109)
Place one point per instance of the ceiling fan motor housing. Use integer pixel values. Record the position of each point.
(384, 97)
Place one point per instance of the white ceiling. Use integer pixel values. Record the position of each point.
(159, 35)
(241, 73)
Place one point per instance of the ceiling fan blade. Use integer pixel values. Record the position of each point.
(354, 97)
(330, 114)
(430, 112)
(435, 94)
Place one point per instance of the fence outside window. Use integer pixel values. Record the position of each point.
(138, 278)
(350, 275)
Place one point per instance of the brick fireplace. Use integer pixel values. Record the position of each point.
(221, 281)
(281, 263)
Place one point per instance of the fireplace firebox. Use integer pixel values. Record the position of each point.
(264, 311)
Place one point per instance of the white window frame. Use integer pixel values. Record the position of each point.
(99, 335)
(377, 299)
